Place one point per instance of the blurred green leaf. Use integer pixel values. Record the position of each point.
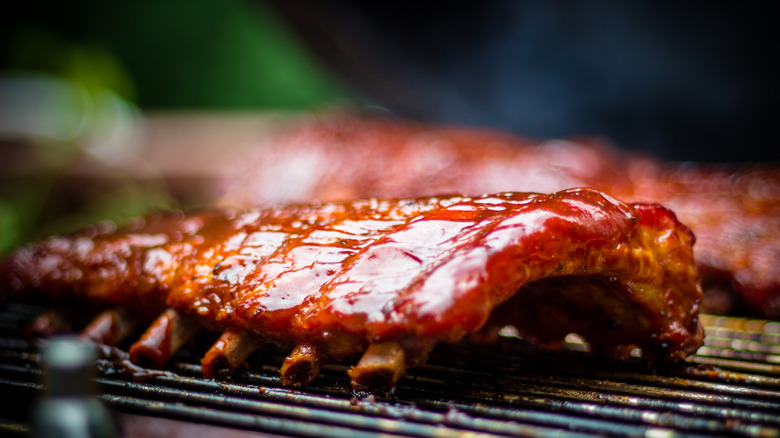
(10, 232)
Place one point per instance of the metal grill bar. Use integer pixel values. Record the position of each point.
(731, 387)
(542, 398)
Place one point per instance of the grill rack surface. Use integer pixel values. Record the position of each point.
(730, 387)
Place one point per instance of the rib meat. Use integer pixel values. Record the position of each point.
(389, 278)
(734, 210)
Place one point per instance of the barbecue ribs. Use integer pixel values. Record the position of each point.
(388, 278)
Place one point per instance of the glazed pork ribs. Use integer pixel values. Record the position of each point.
(387, 279)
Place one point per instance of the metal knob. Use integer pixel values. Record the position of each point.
(70, 407)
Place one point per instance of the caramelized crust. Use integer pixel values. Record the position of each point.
(733, 210)
(390, 277)
(134, 266)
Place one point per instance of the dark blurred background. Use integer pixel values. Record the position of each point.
(694, 80)
(689, 80)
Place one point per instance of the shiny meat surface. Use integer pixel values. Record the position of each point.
(386, 277)
(734, 211)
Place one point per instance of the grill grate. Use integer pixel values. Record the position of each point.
(730, 387)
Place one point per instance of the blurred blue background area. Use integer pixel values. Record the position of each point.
(694, 80)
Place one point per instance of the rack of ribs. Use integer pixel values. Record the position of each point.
(734, 210)
(385, 278)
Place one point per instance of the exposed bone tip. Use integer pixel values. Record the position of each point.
(232, 349)
(381, 367)
(147, 356)
(49, 323)
(301, 366)
(218, 368)
(112, 326)
(169, 332)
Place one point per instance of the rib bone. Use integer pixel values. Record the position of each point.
(381, 366)
(51, 322)
(228, 353)
(112, 326)
(163, 337)
(302, 365)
